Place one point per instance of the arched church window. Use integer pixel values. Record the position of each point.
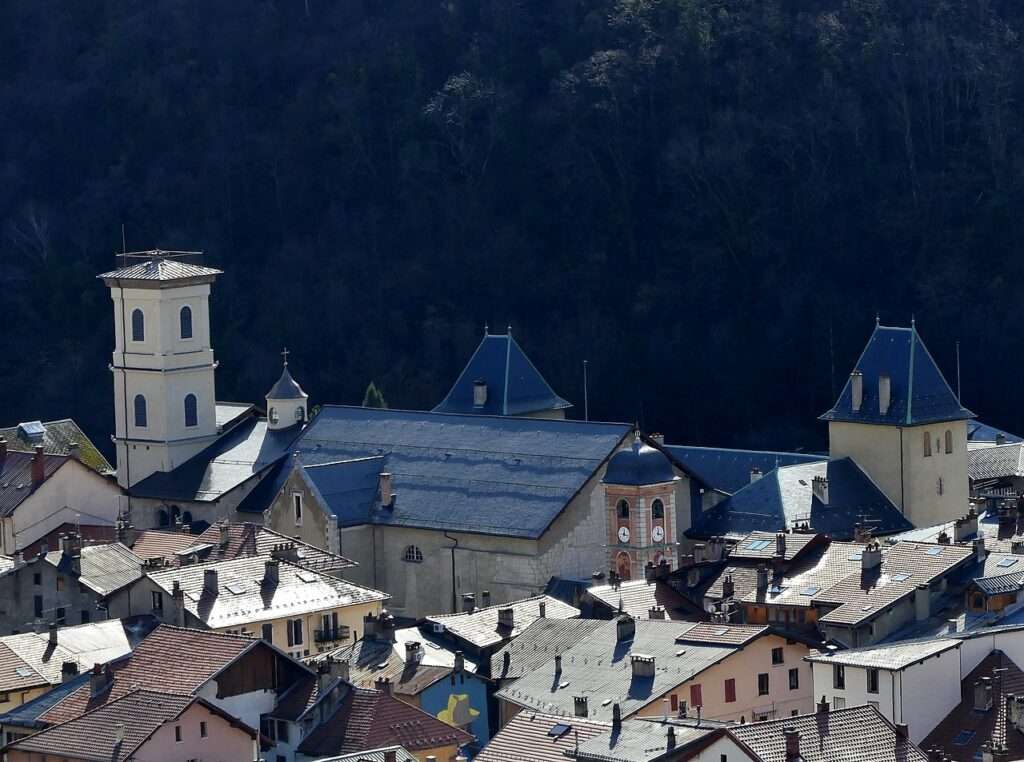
(191, 410)
(657, 510)
(138, 325)
(300, 413)
(273, 416)
(140, 411)
(949, 441)
(623, 509)
(185, 321)
(413, 555)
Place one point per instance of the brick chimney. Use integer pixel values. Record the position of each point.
(38, 466)
(792, 736)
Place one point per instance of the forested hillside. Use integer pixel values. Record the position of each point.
(709, 200)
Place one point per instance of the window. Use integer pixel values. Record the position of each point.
(282, 731)
(730, 690)
(86, 616)
(622, 508)
(938, 486)
(191, 411)
(274, 418)
(838, 676)
(202, 729)
(37, 605)
(762, 684)
(158, 600)
(37, 579)
(297, 508)
(872, 681)
(657, 510)
(413, 555)
(185, 322)
(777, 656)
(838, 702)
(60, 582)
(268, 632)
(138, 325)
(300, 413)
(927, 444)
(695, 698)
(949, 441)
(794, 679)
(140, 411)
(674, 702)
(177, 733)
(295, 632)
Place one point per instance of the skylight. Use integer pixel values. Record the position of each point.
(963, 738)
(307, 576)
(855, 556)
(901, 577)
(1007, 562)
(810, 590)
(559, 730)
(933, 551)
(236, 588)
(24, 672)
(758, 544)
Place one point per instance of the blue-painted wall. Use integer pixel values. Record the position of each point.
(436, 700)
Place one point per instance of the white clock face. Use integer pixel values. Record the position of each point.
(658, 533)
(623, 534)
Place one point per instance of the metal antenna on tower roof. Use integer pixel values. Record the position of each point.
(958, 398)
(586, 399)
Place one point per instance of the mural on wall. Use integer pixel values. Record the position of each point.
(459, 712)
(461, 702)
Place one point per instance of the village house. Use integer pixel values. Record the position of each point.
(60, 437)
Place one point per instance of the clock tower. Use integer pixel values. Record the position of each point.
(639, 486)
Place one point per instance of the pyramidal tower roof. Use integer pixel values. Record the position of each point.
(513, 385)
(919, 392)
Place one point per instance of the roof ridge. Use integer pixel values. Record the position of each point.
(474, 416)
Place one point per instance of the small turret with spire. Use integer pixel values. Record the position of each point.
(286, 402)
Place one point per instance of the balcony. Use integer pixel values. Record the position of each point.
(331, 634)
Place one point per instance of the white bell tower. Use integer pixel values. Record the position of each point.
(287, 404)
(163, 366)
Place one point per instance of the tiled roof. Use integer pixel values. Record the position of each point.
(160, 543)
(762, 546)
(644, 741)
(894, 656)
(371, 659)
(374, 755)
(804, 581)
(729, 470)
(107, 567)
(638, 597)
(784, 497)
(486, 474)
(369, 719)
(84, 645)
(550, 738)
(538, 644)
(905, 565)
(711, 633)
(27, 715)
(93, 735)
(241, 598)
(997, 462)
(982, 432)
(240, 454)
(480, 628)
(514, 385)
(919, 392)
(173, 659)
(601, 669)
(855, 734)
(1003, 583)
(16, 477)
(160, 269)
(973, 728)
(56, 439)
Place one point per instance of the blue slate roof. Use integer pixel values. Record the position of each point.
(349, 487)
(729, 470)
(485, 474)
(982, 432)
(919, 393)
(784, 497)
(514, 385)
(639, 465)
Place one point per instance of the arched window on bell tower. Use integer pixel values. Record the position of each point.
(622, 509)
(657, 509)
(138, 325)
(185, 322)
(191, 410)
(140, 411)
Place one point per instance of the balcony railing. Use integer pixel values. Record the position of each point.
(331, 634)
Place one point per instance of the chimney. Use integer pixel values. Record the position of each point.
(643, 665)
(412, 652)
(178, 601)
(1015, 710)
(558, 663)
(119, 734)
(1000, 438)
(340, 669)
(657, 438)
(755, 474)
(823, 706)
(966, 526)
(871, 556)
(625, 628)
(762, 579)
(884, 393)
(792, 736)
(323, 677)
(3, 447)
(52, 639)
(469, 603)
(943, 538)
(383, 684)
(780, 544)
(728, 587)
(485, 598)
(922, 603)
(616, 717)
(370, 627)
(979, 550)
(580, 705)
(390, 755)
(387, 494)
(38, 466)
(856, 390)
(98, 680)
(819, 486)
(656, 612)
(506, 662)
(902, 730)
(74, 450)
(210, 581)
(670, 740)
(698, 553)
(479, 393)
(271, 572)
(542, 608)
(460, 662)
(68, 671)
(506, 618)
(224, 533)
(983, 694)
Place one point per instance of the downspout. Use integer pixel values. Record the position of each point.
(903, 497)
(455, 609)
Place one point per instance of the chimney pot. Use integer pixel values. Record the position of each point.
(871, 556)
(38, 466)
(902, 730)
